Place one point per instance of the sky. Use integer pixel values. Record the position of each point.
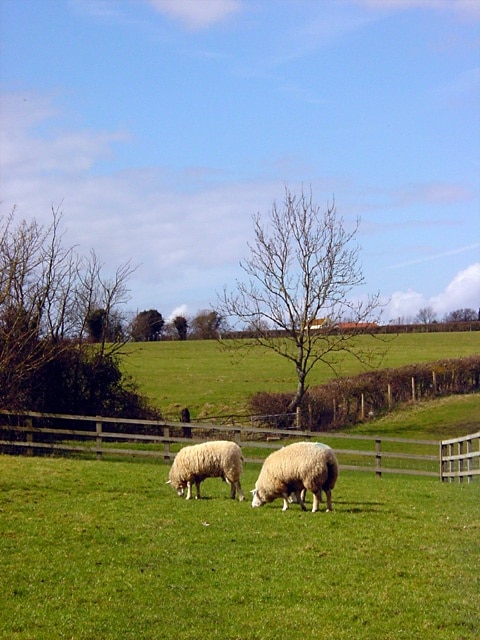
(160, 127)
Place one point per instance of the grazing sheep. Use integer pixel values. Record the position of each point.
(292, 498)
(215, 459)
(299, 466)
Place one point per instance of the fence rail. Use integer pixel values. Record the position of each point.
(32, 432)
(459, 460)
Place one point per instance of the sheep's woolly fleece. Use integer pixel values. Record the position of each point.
(303, 465)
(215, 459)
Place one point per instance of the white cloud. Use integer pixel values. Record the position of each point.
(197, 14)
(186, 243)
(403, 306)
(463, 292)
(181, 310)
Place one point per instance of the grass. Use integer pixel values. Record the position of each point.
(447, 417)
(94, 549)
(199, 374)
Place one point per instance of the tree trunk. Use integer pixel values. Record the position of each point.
(298, 397)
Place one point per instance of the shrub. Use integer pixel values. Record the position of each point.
(85, 382)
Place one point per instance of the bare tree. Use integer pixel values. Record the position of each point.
(461, 315)
(100, 298)
(36, 296)
(46, 294)
(302, 270)
(426, 315)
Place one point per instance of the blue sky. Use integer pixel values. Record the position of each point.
(160, 127)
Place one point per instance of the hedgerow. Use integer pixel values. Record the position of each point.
(346, 401)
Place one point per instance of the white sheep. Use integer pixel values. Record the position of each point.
(292, 497)
(299, 466)
(215, 459)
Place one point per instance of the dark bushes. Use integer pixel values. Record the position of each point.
(79, 380)
(346, 401)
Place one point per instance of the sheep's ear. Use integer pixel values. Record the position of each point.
(168, 482)
(254, 491)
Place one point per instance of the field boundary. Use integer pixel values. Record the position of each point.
(29, 433)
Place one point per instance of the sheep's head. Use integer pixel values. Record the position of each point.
(257, 500)
(178, 486)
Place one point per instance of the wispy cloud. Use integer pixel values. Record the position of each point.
(437, 256)
(462, 8)
(197, 14)
(437, 193)
(183, 239)
(30, 147)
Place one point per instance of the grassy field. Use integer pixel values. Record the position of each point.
(93, 549)
(212, 382)
(105, 549)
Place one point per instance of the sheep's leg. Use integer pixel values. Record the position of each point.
(297, 497)
(300, 498)
(241, 497)
(197, 485)
(328, 493)
(285, 501)
(317, 497)
(189, 490)
(233, 488)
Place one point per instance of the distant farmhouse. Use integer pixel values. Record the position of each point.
(326, 323)
(320, 323)
(357, 326)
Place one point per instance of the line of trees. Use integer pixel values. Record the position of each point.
(427, 315)
(149, 326)
(54, 304)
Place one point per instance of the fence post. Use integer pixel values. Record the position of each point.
(99, 440)
(29, 424)
(440, 458)
(298, 418)
(166, 444)
(460, 461)
(389, 396)
(434, 382)
(378, 457)
(413, 388)
(469, 460)
(362, 407)
(451, 464)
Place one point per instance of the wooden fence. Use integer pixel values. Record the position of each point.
(31, 432)
(460, 458)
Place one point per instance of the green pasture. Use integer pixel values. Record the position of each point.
(212, 381)
(442, 418)
(94, 549)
